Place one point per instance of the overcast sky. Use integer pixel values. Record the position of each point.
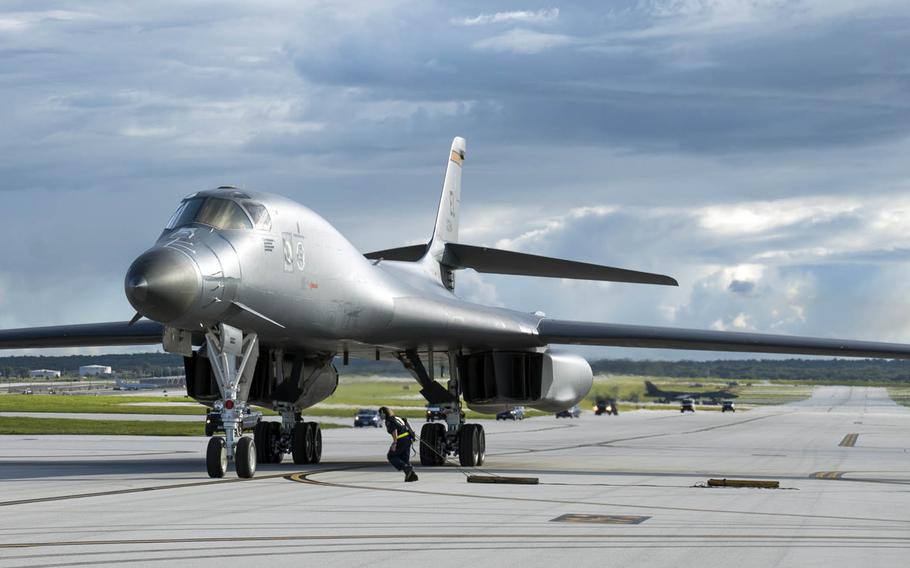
(756, 150)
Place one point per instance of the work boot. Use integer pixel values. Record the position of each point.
(410, 475)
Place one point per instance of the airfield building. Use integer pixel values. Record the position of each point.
(94, 370)
(44, 374)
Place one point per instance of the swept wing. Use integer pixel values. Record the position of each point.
(620, 335)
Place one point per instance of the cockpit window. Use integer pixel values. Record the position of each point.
(214, 211)
(259, 214)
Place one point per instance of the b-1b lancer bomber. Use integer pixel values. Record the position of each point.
(260, 294)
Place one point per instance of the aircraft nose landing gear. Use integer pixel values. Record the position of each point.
(216, 458)
(233, 358)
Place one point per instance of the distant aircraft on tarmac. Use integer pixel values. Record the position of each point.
(655, 391)
(259, 294)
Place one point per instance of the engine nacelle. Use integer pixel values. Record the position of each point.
(494, 381)
(277, 377)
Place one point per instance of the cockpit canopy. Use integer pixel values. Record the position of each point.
(221, 213)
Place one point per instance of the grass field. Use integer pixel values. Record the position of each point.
(403, 394)
(104, 404)
(900, 394)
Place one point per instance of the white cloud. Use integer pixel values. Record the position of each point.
(523, 42)
(24, 21)
(521, 16)
(695, 17)
(553, 225)
(761, 217)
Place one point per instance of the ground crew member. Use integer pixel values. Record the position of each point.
(400, 452)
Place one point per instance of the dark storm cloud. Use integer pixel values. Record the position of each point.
(770, 88)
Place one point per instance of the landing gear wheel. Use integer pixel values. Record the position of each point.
(299, 445)
(468, 443)
(275, 436)
(481, 444)
(432, 446)
(315, 442)
(216, 457)
(245, 458)
(309, 438)
(261, 434)
(266, 435)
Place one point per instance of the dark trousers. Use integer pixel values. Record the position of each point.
(400, 457)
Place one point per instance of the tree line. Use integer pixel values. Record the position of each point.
(848, 370)
(870, 370)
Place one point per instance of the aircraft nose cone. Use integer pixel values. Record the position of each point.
(163, 284)
(137, 287)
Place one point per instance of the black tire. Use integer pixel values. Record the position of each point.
(467, 445)
(245, 458)
(216, 457)
(481, 444)
(428, 444)
(315, 442)
(432, 445)
(276, 454)
(310, 441)
(299, 443)
(440, 446)
(261, 435)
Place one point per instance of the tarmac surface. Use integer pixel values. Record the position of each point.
(621, 491)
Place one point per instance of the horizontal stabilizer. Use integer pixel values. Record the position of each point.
(620, 335)
(495, 261)
(84, 335)
(411, 253)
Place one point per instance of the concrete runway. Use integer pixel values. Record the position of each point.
(628, 490)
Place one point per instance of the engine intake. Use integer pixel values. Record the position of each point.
(494, 381)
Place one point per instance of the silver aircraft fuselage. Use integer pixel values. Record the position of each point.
(300, 284)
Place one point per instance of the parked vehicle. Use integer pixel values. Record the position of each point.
(573, 412)
(367, 417)
(605, 406)
(435, 413)
(213, 422)
(514, 413)
(687, 405)
(728, 405)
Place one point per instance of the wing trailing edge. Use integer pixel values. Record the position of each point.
(84, 335)
(620, 335)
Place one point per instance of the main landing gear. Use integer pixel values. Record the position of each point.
(467, 441)
(233, 358)
(454, 437)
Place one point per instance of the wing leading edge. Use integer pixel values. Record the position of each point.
(83, 335)
(619, 335)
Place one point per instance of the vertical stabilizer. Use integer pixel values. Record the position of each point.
(446, 229)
